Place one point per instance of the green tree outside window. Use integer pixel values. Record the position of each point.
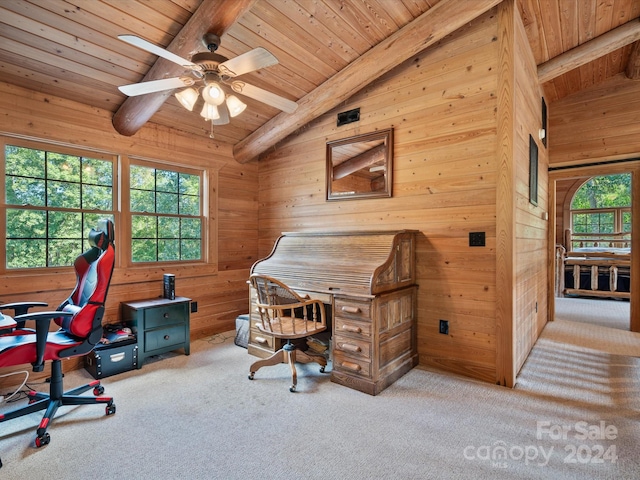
(165, 221)
(52, 200)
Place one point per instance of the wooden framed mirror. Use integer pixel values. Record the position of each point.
(360, 166)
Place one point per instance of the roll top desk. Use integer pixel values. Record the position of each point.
(367, 282)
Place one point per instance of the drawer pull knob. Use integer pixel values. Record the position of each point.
(348, 309)
(351, 366)
(351, 328)
(347, 347)
(166, 337)
(166, 315)
(261, 340)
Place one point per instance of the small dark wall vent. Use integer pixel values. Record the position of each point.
(349, 116)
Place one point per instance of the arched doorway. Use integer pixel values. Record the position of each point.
(594, 250)
(563, 183)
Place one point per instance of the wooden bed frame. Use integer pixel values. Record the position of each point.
(595, 265)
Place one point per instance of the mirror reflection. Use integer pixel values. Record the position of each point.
(360, 166)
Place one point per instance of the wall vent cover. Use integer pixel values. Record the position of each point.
(349, 116)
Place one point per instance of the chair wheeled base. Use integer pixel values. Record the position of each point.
(57, 398)
(79, 319)
(288, 354)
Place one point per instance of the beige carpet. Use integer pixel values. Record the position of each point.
(199, 417)
(596, 324)
(602, 312)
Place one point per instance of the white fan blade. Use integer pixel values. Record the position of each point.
(248, 62)
(156, 86)
(224, 115)
(264, 96)
(156, 50)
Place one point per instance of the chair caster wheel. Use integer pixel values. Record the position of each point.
(99, 390)
(292, 389)
(43, 440)
(251, 375)
(110, 409)
(321, 369)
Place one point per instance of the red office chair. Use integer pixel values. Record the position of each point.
(80, 321)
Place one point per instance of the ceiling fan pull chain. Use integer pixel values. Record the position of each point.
(211, 134)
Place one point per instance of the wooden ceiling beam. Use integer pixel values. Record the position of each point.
(433, 25)
(589, 51)
(212, 16)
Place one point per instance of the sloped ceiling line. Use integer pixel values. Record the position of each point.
(588, 51)
(433, 25)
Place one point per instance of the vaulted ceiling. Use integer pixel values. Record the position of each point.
(327, 50)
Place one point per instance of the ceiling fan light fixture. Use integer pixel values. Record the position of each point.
(213, 93)
(210, 111)
(187, 98)
(235, 105)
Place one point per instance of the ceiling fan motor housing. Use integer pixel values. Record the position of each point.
(211, 41)
(208, 61)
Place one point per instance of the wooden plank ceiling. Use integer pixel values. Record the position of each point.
(70, 49)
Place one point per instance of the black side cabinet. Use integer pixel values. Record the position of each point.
(161, 325)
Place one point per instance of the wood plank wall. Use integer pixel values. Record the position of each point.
(596, 132)
(595, 125)
(218, 286)
(442, 105)
(532, 221)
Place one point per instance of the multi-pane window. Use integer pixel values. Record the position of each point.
(626, 220)
(166, 221)
(602, 206)
(53, 199)
(594, 222)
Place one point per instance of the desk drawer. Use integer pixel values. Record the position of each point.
(165, 315)
(352, 346)
(350, 308)
(164, 337)
(355, 328)
(351, 365)
(264, 340)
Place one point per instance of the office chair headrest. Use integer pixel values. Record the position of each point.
(103, 235)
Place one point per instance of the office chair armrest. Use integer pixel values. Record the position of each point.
(20, 308)
(43, 320)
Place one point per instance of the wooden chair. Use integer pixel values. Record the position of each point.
(285, 314)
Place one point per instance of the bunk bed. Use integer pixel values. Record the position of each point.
(594, 265)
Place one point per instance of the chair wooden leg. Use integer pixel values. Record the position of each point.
(305, 357)
(275, 359)
(288, 354)
(291, 354)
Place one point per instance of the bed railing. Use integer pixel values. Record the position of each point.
(596, 265)
(597, 240)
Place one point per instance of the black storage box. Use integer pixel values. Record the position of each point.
(106, 360)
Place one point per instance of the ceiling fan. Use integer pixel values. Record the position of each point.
(212, 76)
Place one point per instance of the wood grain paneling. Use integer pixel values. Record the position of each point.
(531, 221)
(442, 105)
(599, 124)
(70, 49)
(219, 286)
(596, 127)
